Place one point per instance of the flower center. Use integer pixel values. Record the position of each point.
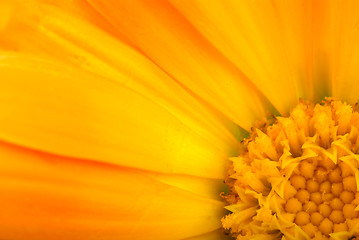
(321, 197)
(297, 177)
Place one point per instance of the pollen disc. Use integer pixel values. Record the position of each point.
(297, 177)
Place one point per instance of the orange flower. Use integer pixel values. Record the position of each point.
(117, 118)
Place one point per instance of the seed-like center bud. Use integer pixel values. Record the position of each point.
(297, 177)
(321, 197)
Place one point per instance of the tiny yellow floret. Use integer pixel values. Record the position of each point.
(321, 174)
(340, 227)
(312, 186)
(293, 206)
(302, 218)
(336, 204)
(325, 187)
(347, 197)
(335, 175)
(307, 170)
(303, 195)
(325, 210)
(349, 211)
(298, 182)
(350, 184)
(310, 229)
(336, 216)
(316, 197)
(310, 207)
(337, 189)
(326, 226)
(327, 197)
(316, 218)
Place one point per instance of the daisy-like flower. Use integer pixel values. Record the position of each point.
(123, 119)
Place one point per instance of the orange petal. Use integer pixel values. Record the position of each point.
(255, 36)
(340, 47)
(53, 108)
(49, 197)
(45, 29)
(205, 187)
(215, 235)
(162, 33)
(319, 13)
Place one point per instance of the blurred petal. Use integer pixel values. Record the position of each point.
(46, 29)
(205, 187)
(52, 197)
(319, 13)
(161, 33)
(215, 235)
(341, 25)
(81, 115)
(254, 36)
(294, 18)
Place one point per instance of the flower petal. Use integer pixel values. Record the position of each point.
(256, 37)
(47, 29)
(340, 47)
(61, 110)
(162, 33)
(49, 197)
(205, 187)
(215, 235)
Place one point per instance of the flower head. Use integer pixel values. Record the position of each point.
(117, 118)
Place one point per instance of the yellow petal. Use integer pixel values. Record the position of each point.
(162, 33)
(215, 235)
(206, 187)
(45, 196)
(53, 108)
(45, 29)
(306, 37)
(255, 36)
(340, 46)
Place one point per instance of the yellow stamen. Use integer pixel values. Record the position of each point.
(298, 178)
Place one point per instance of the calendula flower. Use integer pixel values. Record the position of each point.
(121, 119)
